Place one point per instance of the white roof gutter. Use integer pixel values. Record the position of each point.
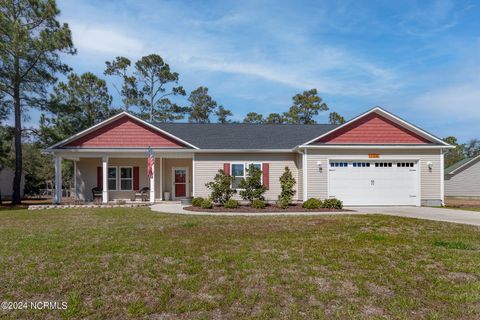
(374, 146)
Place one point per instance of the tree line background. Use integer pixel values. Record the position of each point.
(31, 42)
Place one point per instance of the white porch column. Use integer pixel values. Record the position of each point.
(75, 192)
(442, 177)
(193, 176)
(152, 184)
(57, 198)
(305, 175)
(161, 178)
(105, 179)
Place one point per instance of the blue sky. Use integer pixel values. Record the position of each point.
(418, 59)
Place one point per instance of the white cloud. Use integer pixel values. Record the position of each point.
(307, 75)
(104, 39)
(460, 101)
(432, 18)
(275, 54)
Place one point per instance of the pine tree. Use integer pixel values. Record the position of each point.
(335, 118)
(223, 114)
(158, 84)
(120, 68)
(31, 40)
(253, 117)
(305, 107)
(76, 105)
(201, 105)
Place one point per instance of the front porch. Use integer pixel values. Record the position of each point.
(118, 178)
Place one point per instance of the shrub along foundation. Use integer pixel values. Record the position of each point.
(268, 208)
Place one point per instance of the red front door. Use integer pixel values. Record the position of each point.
(180, 182)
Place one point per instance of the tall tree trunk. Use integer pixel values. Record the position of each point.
(17, 197)
(125, 90)
(152, 85)
(151, 109)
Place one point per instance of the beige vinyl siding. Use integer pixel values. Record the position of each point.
(465, 183)
(317, 184)
(87, 176)
(207, 165)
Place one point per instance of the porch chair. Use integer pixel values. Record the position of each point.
(97, 193)
(143, 194)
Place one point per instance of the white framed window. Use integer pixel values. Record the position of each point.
(406, 164)
(112, 178)
(126, 178)
(361, 164)
(338, 164)
(383, 164)
(238, 170)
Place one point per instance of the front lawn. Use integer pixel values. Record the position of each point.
(120, 263)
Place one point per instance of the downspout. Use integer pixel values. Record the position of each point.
(442, 176)
(304, 171)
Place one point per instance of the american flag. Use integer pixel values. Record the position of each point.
(151, 162)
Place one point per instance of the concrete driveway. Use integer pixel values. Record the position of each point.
(428, 213)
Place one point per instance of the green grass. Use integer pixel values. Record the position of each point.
(131, 263)
(453, 245)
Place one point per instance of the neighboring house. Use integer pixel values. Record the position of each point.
(6, 183)
(462, 180)
(373, 159)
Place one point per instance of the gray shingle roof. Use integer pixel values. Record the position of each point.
(460, 163)
(245, 136)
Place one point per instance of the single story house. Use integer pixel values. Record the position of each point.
(462, 180)
(374, 159)
(6, 183)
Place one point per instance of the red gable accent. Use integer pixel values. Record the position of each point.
(125, 132)
(373, 128)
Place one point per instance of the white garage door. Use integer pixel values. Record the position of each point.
(374, 182)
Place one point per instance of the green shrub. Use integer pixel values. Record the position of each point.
(231, 204)
(283, 202)
(221, 187)
(252, 186)
(207, 204)
(312, 203)
(287, 183)
(197, 202)
(332, 204)
(258, 204)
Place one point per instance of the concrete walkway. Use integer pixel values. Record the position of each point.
(428, 213)
(178, 209)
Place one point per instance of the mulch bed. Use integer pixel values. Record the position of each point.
(462, 203)
(268, 208)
